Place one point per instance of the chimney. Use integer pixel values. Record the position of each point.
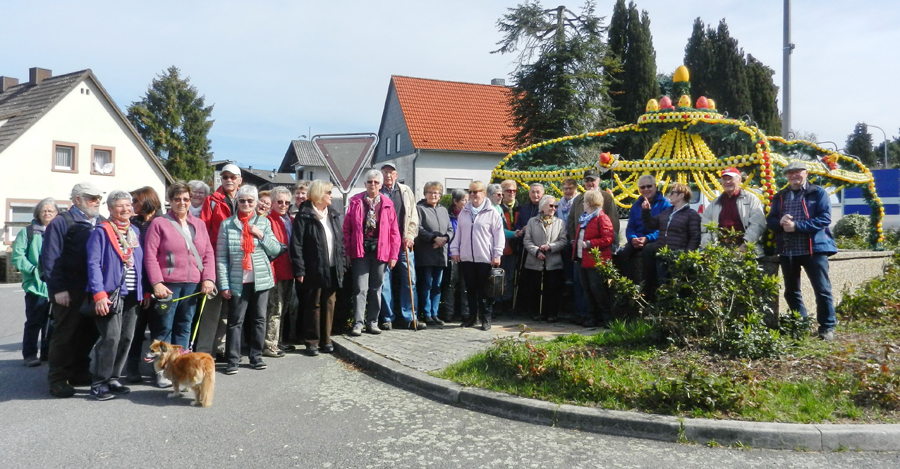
(7, 83)
(37, 75)
(498, 82)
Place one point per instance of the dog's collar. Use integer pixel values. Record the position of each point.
(183, 351)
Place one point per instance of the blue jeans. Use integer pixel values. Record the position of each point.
(37, 326)
(406, 296)
(429, 279)
(583, 308)
(816, 266)
(175, 327)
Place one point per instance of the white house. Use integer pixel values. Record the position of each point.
(58, 131)
(445, 131)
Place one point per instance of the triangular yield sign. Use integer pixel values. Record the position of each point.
(345, 155)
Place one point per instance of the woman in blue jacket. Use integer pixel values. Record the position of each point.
(114, 259)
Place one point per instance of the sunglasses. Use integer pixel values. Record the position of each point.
(245, 201)
(182, 199)
(474, 192)
(553, 205)
(283, 202)
(229, 178)
(649, 186)
(510, 191)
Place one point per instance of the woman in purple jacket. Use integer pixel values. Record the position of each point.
(179, 259)
(114, 259)
(477, 246)
(371, 243)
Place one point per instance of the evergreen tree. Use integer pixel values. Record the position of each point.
(564, 90)
(763, 96)
(893, 153)
(664, 81)
(859, 144)
(174, 121)
(728, 67)
(618, 47)
(698, 58)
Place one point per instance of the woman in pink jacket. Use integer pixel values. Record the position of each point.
(371, 243)
(178, 258)
(477, 246)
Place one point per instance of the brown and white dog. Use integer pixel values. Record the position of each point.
(186, 370)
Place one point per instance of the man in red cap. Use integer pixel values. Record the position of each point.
(735, 209)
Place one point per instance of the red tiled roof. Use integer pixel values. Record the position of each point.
(447, 115)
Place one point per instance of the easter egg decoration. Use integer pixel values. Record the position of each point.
(652, 105)
(702, 103)
(681, 74)
(666, 103)
(684, 101)
(711, 103)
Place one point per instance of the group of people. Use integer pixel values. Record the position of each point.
(238, 272)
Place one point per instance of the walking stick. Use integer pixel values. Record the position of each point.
(412, 300)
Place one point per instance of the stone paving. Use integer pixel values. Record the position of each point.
(436, 348)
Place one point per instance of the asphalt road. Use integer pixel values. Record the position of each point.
(312, 412)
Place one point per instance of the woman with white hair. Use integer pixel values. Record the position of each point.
(114, 261)
(243, 249)
(544, 240)
(199, 193)
(26, 256)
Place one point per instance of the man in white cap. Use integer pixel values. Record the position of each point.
(64, 267)
(219, 206)
(737, 210)
(408, 219)
(799, 216)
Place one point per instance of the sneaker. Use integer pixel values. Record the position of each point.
(273, 353)
(373, 329)
(328, 348)
(116, 387)
(62, 390)
(260, 365)
(32, 362)
(231, 370)
(101, 392)
(827, 336)
(357, 330)
(418, 325)
(162, 381)
(311, 350)
(386, 326)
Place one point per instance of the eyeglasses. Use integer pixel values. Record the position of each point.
(93, 198)
(182, 199)
(245, 201)
(433, 193)
(283, 202)
(509, 191)
(474, 192)
(553, 205)
(373, 182)
(648, 186)
(229, 178)
(676, 193)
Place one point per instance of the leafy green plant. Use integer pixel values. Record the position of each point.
(850, 226)
(794, 325)
(750, 338)
(878, 298)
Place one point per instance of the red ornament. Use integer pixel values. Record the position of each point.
(605, 158)
(666, 103)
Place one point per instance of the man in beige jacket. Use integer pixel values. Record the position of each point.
(736, 209)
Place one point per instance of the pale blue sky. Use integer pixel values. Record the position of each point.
(276, 69)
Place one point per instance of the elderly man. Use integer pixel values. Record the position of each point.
(737, 210)
(408, 219)
(591, 182)
(508, 260)
(637, 238)
(64, 265)
(280, 295)
(799, 216)
(219, 206)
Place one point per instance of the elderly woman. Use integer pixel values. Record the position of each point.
(280, 296)
(199, 193)
(477, 247)
(243, 249)
(678, 225)
(371, 242)
(26, 256)
(544, 241)
(114, 260)
(495, 195)
(430, 247)
(593, 229)
(179, 259)
(452, 281)
(317, 255)
(264, 205)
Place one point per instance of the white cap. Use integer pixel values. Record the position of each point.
(231, 168)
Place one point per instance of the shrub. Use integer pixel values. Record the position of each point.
(851, 226)
(877, 298)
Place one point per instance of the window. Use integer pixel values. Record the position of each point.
(397, 139)
(310, 176)
(387, 147)
(65, 157)
(103, 161)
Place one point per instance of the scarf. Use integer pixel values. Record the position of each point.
(586, 218)
(123, 240)
(546, 220)
(247, 244)
(371, 216)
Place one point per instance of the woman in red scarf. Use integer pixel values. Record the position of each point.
(243, 249)
(114, 258)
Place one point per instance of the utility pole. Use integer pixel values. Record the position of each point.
(885, 143)
(787, 49)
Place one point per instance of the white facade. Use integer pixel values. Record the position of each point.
(85, 121)
(453, 169)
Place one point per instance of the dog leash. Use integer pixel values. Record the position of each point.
(199, 314)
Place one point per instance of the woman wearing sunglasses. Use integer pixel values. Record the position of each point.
(545, 238)
(678, 225)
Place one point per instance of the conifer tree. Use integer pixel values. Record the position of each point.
(763, 96)
(859, 144)
(729, 73)
(175, 122)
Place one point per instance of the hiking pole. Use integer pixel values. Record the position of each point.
(412, 299)
(516, 289)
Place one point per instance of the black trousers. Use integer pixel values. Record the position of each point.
(73, 337)
(250, 306)
(648, 265)
(116, 330)
(476, 274)
(541, 296)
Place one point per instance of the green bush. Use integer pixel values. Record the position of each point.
(851, 226)
(878, 298)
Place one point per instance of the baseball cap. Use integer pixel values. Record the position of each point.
(796, 165)
(86, 188)
(389, 165)
(733, 172)
(591, 174)
(231, 168)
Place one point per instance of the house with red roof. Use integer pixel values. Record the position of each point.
(445, 131)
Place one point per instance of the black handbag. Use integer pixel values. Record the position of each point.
(87, 306)
(495, 283)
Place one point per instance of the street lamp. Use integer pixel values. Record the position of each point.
(829, 141)
(885, 143)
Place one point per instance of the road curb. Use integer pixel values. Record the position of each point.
(811, 437)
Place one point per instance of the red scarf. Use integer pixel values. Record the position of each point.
(247, 244)
(118, 237)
